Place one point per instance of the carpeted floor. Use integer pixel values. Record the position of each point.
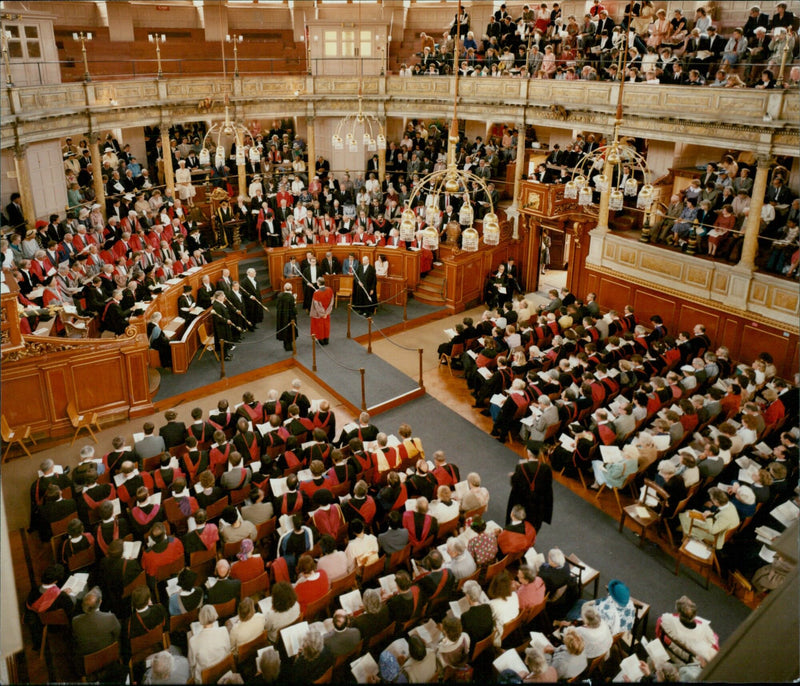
(261, 348)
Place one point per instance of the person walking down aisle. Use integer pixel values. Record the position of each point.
(321, 306)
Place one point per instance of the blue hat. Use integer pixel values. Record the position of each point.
(619, 592)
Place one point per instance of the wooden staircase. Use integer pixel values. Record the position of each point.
(430, 290)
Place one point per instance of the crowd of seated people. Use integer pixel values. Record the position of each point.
(621, 402)
(541, 43)
(369, 514)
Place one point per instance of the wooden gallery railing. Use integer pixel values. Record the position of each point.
(43, 376)
(184, 341)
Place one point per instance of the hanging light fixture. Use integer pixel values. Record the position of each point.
(596, 171)
(469, 240)
(430, 238)
(225, 132)
(359, 124)
(408, 225)
(455, 181)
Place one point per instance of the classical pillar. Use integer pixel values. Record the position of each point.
(311, 147)
(753, 223)
(97, 177)
(166, 156)
(24, 185)
(520, 164)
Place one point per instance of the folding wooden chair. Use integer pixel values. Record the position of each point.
(48, 619)
(95, 662)
(147, 644)
(455, 353)
(348, 582)
(202, 563)
(259, 585)
(82, 421)
(372, 570)
(482, 645)
(247, 651)
(182, 623)
(381, 637)
(11, 436)
(85, 558)
(207, 342)
(225, 610)
(494, 569)
(644, 515)
(315, 607)
(398, 559)
(211, 675)
(700, 551)
(345, 291)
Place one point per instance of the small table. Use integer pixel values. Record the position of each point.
(588, 574)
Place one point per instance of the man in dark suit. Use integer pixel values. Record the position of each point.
(225, 283)
(14, 214)
(778, 192)
(116, 573)
(330, 264)
(251, 294)
(343, 639)
(94, 630)
(173, 432)
(54, 508)
(295, 396)
(146, 615)
(222, 325)
(223, 588)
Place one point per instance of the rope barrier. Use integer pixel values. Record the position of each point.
(333, 359)
(395, 344)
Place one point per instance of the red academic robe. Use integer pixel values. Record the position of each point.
(321, 306)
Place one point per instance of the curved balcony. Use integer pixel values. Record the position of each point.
(758, 121)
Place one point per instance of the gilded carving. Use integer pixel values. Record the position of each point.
(37, 349)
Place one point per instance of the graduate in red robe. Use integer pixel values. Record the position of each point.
(321, 306)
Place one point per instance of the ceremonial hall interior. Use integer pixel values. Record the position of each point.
(399, 341)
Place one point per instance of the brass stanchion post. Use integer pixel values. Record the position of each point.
(405, 305)
(369, 334)
(313, 353)
(221, 358)
(421, 381)
(363, 390)
(349, 309)
(294, 338)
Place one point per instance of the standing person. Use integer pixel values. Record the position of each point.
(321, 306)
(286, 313)
(222, 324)
(251, 294)
(532, 487)
(364, 300)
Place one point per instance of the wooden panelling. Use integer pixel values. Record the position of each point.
(402, 263)
(757, 338)
(107, 376)
(731, 337)
(648, 303)
(744, 337)
(58, 392)
(100, 382)
(34, 410)
(690, 316)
